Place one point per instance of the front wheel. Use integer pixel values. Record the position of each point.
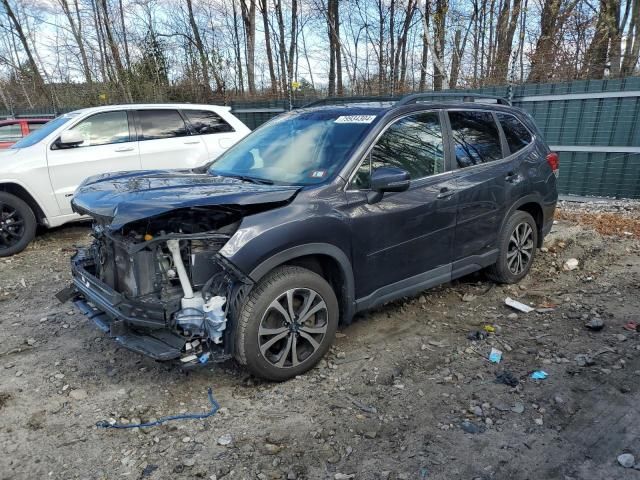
(17, 224)
(287, 323)
(517, 244)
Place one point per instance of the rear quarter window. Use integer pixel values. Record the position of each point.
(517, 135)
(205, 122)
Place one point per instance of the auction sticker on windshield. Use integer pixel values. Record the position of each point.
(355, 119)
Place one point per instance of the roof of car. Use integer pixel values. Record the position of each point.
(152, 106)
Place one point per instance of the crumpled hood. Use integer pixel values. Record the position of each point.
(123, 197)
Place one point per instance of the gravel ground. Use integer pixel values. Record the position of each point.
(404, 393)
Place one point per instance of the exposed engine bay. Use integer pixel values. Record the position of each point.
(168, 267)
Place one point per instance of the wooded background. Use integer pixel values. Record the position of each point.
(63, 53)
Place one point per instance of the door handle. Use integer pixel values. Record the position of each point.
(191, 142)
(123, 149)
(445, 193)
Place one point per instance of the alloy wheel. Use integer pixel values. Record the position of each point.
(12, 226)
(293, 327)
(520, 249)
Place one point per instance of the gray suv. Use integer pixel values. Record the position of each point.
(321, 213)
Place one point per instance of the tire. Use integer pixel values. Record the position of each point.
(266, 341)
(519, 227)
(17, 224)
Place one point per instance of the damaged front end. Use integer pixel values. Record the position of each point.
(159, 285)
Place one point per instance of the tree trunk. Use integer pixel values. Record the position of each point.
(264, 10)
(236, 45)
(507, 24)
(281, 46)
(439, 23)
(76, 30)
(293, 43)
(424, 59)
(204, 60)
(551, 22)
(249, 19)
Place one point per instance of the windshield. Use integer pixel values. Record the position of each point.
(43, 132)
(298, 149)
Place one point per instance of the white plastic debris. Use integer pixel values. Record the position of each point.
(521, 307)
(571, 264)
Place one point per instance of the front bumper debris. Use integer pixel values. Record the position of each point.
(138, 325)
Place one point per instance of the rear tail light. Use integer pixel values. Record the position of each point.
(554, 162)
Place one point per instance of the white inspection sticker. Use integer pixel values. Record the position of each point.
(355, 119)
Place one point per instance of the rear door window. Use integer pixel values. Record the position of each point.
(476, 138)
(10, 133)
(104, 129)
(517, 135)
(156, 124)
(204, 122)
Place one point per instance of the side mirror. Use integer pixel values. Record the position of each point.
(70, 138)
(387, 179)
(390, 179)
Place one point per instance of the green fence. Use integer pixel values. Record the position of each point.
(592, 124)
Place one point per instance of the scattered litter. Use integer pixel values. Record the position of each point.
(626, 460)
(468, 297)
(495, 356)
(632, 327)
(215, 406)
(470, 427)
(489, 329)
(584, 360)
(476, 335)
(225, 439)
(438, 344)
(343, 476)
(545, 310)
(595, 324)
(507, 378)
(539, 375)
(518, 408)
(362, 406)
(518, 305)
(571, 264)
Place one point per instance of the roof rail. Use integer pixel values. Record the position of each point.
(356, 99)
(466, 97)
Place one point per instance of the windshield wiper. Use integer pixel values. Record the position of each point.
(246, 178)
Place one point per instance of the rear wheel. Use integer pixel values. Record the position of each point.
(517, 243)
(287, 323)
(17, 224)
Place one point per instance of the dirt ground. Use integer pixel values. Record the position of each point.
(404, 394)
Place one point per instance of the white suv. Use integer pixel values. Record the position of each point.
(39, 174)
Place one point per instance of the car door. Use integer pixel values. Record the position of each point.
(214, 131)
(109, 146)
(165, 141)
(483, 176)
(405, 238)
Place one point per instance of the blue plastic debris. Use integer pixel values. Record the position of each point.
(204, 358)
(539, 375)
(495, 356)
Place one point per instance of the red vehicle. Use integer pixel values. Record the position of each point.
(14, 129)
